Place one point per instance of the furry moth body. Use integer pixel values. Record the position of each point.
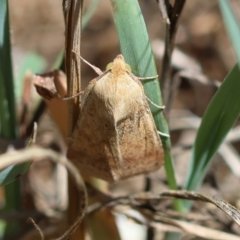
(115, 136)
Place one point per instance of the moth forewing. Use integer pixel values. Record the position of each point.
(115, 136)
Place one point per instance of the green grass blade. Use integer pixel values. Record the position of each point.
(232, 26)
(221, 113)
(89, 13)
(136, 49)
(8, 123)
(58, 61)
(3, 117)
(217, 121)
(8, 113)
(12, 173)
(35, 64)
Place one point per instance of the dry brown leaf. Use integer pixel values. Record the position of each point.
(52, 87)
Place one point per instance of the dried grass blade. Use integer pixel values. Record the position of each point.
(34, 153)
(73, 20)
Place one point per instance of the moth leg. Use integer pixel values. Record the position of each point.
(96, 69)
(163, 134)
(147, 78)
(69, 98)
(155, 105)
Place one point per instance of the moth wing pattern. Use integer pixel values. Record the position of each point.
(115, 136)
(93, 144)
(144, 153)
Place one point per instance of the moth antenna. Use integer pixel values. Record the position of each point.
(147, 78)
(163, 134)
(155, 105)
(96, 69)
(69, 98)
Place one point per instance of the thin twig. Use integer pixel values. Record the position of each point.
(139, 200)
(37, 228)
(171, 29)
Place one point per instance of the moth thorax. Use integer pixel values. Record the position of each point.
(118, 67)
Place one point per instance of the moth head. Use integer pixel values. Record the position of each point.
(119, 64)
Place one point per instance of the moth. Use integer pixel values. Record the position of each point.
(115, 136)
